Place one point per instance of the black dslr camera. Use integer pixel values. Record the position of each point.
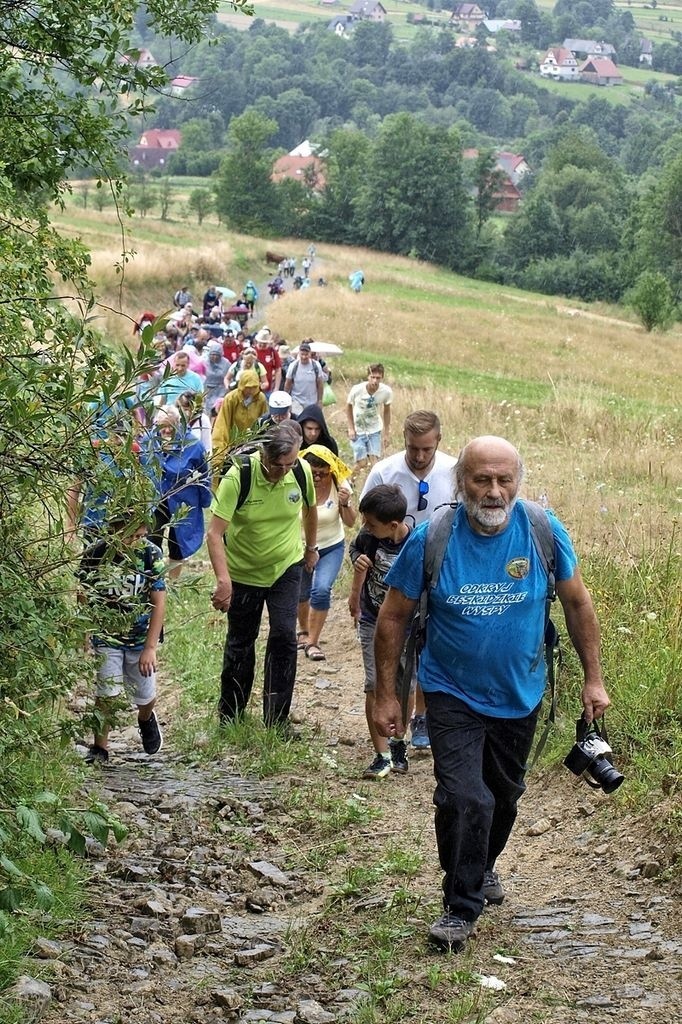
(592, 757)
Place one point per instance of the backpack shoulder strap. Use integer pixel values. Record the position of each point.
(299, 473)
(437, 535)
(543, 539)
(244, 481)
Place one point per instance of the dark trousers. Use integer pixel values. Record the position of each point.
(239, 657)
(479, 764)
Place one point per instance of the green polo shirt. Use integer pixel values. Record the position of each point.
(264, 535)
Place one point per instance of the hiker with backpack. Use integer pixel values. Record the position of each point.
(250, 294)
(305, 379)
(258, 555)
(482, 666)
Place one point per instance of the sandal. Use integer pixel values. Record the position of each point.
(301, 644)
(313, 653)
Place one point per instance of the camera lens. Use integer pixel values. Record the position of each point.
(605, 775)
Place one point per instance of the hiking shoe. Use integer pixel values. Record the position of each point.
(492, 888)
(152, 738)
(379, 768)
(399, 763)
(96, 755)
(451, 932)
(420, 733)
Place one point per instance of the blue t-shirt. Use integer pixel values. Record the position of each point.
(485, 630)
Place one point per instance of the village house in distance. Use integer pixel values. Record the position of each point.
(582, 60)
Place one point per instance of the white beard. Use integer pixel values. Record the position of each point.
(487, 517)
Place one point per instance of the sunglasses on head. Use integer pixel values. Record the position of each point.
(423, 491)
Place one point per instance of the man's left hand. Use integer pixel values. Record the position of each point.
(595, 700)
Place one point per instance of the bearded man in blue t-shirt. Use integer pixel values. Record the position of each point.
(482, 670)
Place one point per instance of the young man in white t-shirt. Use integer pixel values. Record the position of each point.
(368, 411)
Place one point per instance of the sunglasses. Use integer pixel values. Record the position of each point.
(423, 491)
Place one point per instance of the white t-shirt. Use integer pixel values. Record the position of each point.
(366, 415)
(440, 478)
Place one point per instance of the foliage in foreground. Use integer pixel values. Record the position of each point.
(62, 76)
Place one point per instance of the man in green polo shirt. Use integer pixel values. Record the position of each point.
(257, 554)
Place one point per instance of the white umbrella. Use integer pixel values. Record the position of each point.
(324, 348)
(226, 292)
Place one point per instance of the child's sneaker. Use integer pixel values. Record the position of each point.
(96, 755)
(420, 733)
(379, 768)
(399, 757)
(152, 737)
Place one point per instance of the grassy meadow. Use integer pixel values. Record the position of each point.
(590, 399)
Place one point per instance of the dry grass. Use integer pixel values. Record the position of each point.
(589, 398)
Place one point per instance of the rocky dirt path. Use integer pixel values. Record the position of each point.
(220, 905)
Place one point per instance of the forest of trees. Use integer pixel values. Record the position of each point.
(393, 120)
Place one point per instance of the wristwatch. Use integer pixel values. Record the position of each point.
(313, 547)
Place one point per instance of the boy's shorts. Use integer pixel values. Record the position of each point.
(367, 446)
(366, 637)
(119, 669)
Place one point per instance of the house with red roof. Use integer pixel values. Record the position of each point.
(512, 167)
(155, 147)
(179, 85)
(560, 64)
(600, 71)
(307, 170)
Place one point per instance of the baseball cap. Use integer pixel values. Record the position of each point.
(280, 400)
(304, 347)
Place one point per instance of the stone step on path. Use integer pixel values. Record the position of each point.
(179, 917)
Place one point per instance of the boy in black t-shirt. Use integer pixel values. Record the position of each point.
(122, 578)
(372, 553)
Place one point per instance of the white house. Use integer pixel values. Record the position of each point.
(560, 64)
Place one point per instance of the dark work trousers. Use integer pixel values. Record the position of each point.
(239, 657)
(479, 764)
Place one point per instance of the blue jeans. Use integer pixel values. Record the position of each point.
(239, 657)
(367, 446)
(479, 763)
(316, 586)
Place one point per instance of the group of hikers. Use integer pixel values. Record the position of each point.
(283, 512)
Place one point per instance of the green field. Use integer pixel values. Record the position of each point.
(290, 14)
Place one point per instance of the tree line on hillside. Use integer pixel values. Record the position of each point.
(313, 82)
(394, 119)
(585, 228)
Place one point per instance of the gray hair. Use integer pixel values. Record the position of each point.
(281, 439)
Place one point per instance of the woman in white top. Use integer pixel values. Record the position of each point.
(334, 512)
